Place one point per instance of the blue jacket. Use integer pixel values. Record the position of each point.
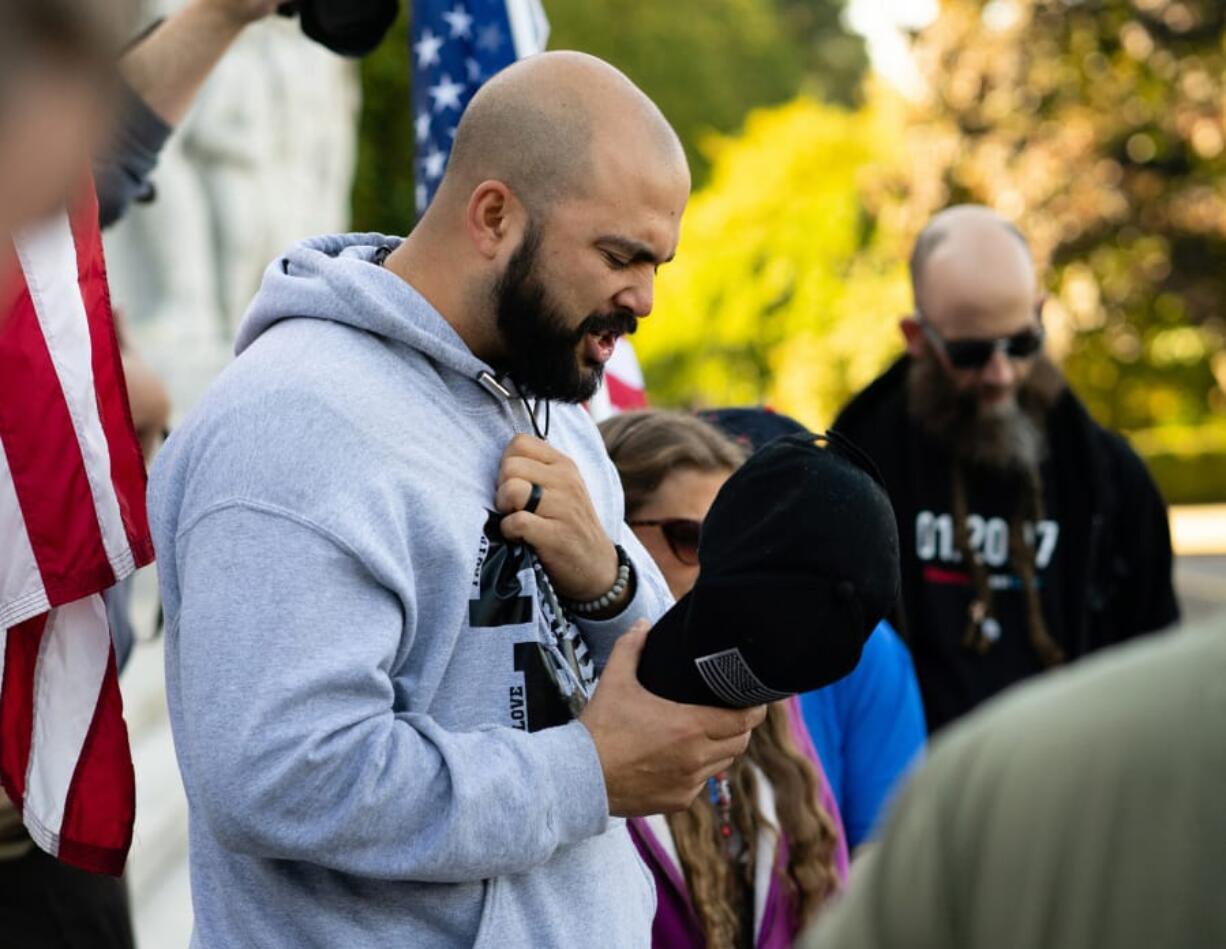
(868, 728)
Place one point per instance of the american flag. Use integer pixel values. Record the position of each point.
(456, 46)
(72, 522)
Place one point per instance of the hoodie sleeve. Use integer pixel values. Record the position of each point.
(290, 747)
(121, 173)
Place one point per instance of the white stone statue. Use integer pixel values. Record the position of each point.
(265, 158)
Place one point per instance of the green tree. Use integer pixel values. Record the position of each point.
(791, 269)
(833, 58)
(383, 180)
(706, 62)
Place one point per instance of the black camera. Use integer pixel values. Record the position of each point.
(348, 27)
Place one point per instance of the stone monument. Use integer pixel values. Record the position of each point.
(265, 158)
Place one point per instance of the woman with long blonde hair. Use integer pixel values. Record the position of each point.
(753, 859)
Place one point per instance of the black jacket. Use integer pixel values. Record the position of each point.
(1116, 563)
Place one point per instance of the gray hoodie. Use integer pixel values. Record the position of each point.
(373, 751)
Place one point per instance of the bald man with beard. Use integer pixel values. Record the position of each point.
(394, 563)
(1031, 535)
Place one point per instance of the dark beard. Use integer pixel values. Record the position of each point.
(540, 350)
(1012, 439)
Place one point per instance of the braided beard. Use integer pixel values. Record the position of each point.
(1007, 437)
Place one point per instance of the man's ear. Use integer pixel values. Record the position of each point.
(913, 334)
(491, 218)
(1038, 308)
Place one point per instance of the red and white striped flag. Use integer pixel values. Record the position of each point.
(623, 388)
(72, 523)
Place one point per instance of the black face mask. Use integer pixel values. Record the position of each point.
(541, 350)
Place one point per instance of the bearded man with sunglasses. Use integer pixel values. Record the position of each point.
(1031, 535)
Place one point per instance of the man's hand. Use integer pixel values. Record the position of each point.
(655, 754)
(564, 529)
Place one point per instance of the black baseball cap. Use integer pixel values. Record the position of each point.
(347, 27)
(799, 563)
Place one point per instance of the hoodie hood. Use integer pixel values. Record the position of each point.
(330, 278)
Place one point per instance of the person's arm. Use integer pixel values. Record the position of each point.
(170, 64)
(162, 73)
(121, 172)
(649, 600)
(1153, 560)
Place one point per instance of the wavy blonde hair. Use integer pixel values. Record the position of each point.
(646, 447)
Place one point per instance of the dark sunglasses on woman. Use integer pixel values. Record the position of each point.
(681, 534)
(976, 353)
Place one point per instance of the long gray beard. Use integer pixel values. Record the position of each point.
(1010, 437)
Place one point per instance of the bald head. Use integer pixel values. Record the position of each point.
(974, 281)
(971, 258)
(562, 198)
(546, 125)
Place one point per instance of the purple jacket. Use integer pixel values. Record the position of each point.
(676, 923)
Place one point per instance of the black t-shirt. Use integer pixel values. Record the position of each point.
(954, 679)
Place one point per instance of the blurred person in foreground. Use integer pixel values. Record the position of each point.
(63, 102)
(68, 93)
(57, 80)
(1031, 535)
(753, 860)
(868, 727)
(393, 559)
(1081, 810)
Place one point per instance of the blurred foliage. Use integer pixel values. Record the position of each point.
(787, 272)
(383, 180)
(1187, 461)
(833, 59)
(1098, 126)
(705, 62)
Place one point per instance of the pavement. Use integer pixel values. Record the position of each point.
(157, 865)
(157, 869)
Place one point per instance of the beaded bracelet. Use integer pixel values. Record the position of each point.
(603, 602)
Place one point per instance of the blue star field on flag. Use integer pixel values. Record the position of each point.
(455, 46)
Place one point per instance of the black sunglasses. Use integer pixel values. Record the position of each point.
(976, 353)
(682, 535)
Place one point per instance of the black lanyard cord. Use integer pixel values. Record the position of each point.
(532, 411)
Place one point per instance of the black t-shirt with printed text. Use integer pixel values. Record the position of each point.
(954, 678)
